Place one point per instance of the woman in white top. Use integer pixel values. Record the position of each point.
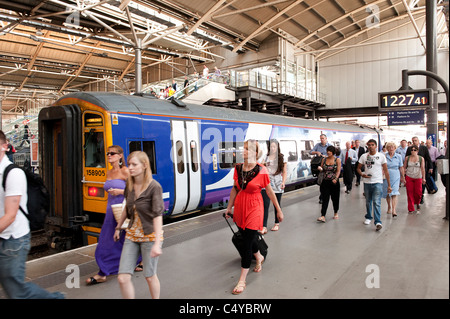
(415, 177)
(276, 165)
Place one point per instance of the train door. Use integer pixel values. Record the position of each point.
(94, 166)
(59, 163)
(186, 161)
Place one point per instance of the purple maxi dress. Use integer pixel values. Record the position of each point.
(107, 253)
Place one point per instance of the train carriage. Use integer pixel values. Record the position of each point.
(192, 150)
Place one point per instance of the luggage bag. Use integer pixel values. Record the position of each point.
(238, 241)
(315, 163)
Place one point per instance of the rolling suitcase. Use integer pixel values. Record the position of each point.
(239, 242)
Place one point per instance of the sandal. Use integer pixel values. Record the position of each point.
(321, 219)
(240, 285)
(336, 216)
(139, 267)
(92, 281)
(258, 266)
(394, 214)
(263, 231)
(275, 227)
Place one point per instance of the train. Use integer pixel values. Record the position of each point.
(192, 150)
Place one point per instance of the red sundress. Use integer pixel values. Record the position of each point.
(249, 205)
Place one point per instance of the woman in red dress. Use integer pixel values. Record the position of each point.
(249, 178)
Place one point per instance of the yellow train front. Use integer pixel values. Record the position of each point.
(73, 135)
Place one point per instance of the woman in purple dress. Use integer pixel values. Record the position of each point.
(107, 253)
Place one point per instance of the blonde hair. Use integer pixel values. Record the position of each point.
(253, 145)
(391, 144)
(143, 159)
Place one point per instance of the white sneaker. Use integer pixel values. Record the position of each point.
(379, 226)
(367, 222)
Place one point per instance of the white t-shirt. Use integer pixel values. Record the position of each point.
(373, 166)
(16, 184)
(275, 180)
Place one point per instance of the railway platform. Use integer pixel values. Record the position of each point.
(339, 259)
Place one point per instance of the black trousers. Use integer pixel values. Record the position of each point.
(250, 246)
(267, 202)
(329, 189)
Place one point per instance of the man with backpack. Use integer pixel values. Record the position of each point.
(15, 234)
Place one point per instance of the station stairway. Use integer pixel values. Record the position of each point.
(200, 91)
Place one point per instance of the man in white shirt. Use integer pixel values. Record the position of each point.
(15, 234)
(375, 164)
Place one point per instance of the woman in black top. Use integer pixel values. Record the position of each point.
(330, 187)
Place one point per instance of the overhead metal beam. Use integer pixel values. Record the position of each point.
(413, 21)
(264, 25)
(78, 72)
(217, 16)
(336, 45)
(206, 16)
(342, 17)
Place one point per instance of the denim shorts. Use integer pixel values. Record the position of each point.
(130, 254)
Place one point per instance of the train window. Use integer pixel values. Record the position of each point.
(194, 157)
(230, 153)
(91, 120)
(306, 150)
(146, 146)
(290, 148)
(94, 149)
(180, 159)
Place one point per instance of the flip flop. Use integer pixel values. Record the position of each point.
(275, 227)
(258, 266)
(240, 285)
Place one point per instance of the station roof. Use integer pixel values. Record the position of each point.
(52, 47)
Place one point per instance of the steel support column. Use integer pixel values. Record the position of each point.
(431, 52)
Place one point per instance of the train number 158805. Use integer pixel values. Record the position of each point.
(95, 172)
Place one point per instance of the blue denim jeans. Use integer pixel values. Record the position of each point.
(13, 255)
(373, 194)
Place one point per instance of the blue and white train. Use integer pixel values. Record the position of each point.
(192, 150)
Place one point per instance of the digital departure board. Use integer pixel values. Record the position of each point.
(405, 100)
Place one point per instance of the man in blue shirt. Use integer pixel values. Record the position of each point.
(321, 148)
(402, 149)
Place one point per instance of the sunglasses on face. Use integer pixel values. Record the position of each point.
(414, 150)
(111, 153)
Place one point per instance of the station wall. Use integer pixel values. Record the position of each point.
(352, 78)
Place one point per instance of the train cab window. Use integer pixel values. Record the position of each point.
(146, 146)
(194, 157)
(289, 148)
(230, 153)
(94, 149)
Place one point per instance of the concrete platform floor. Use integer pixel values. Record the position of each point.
(339, 259)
